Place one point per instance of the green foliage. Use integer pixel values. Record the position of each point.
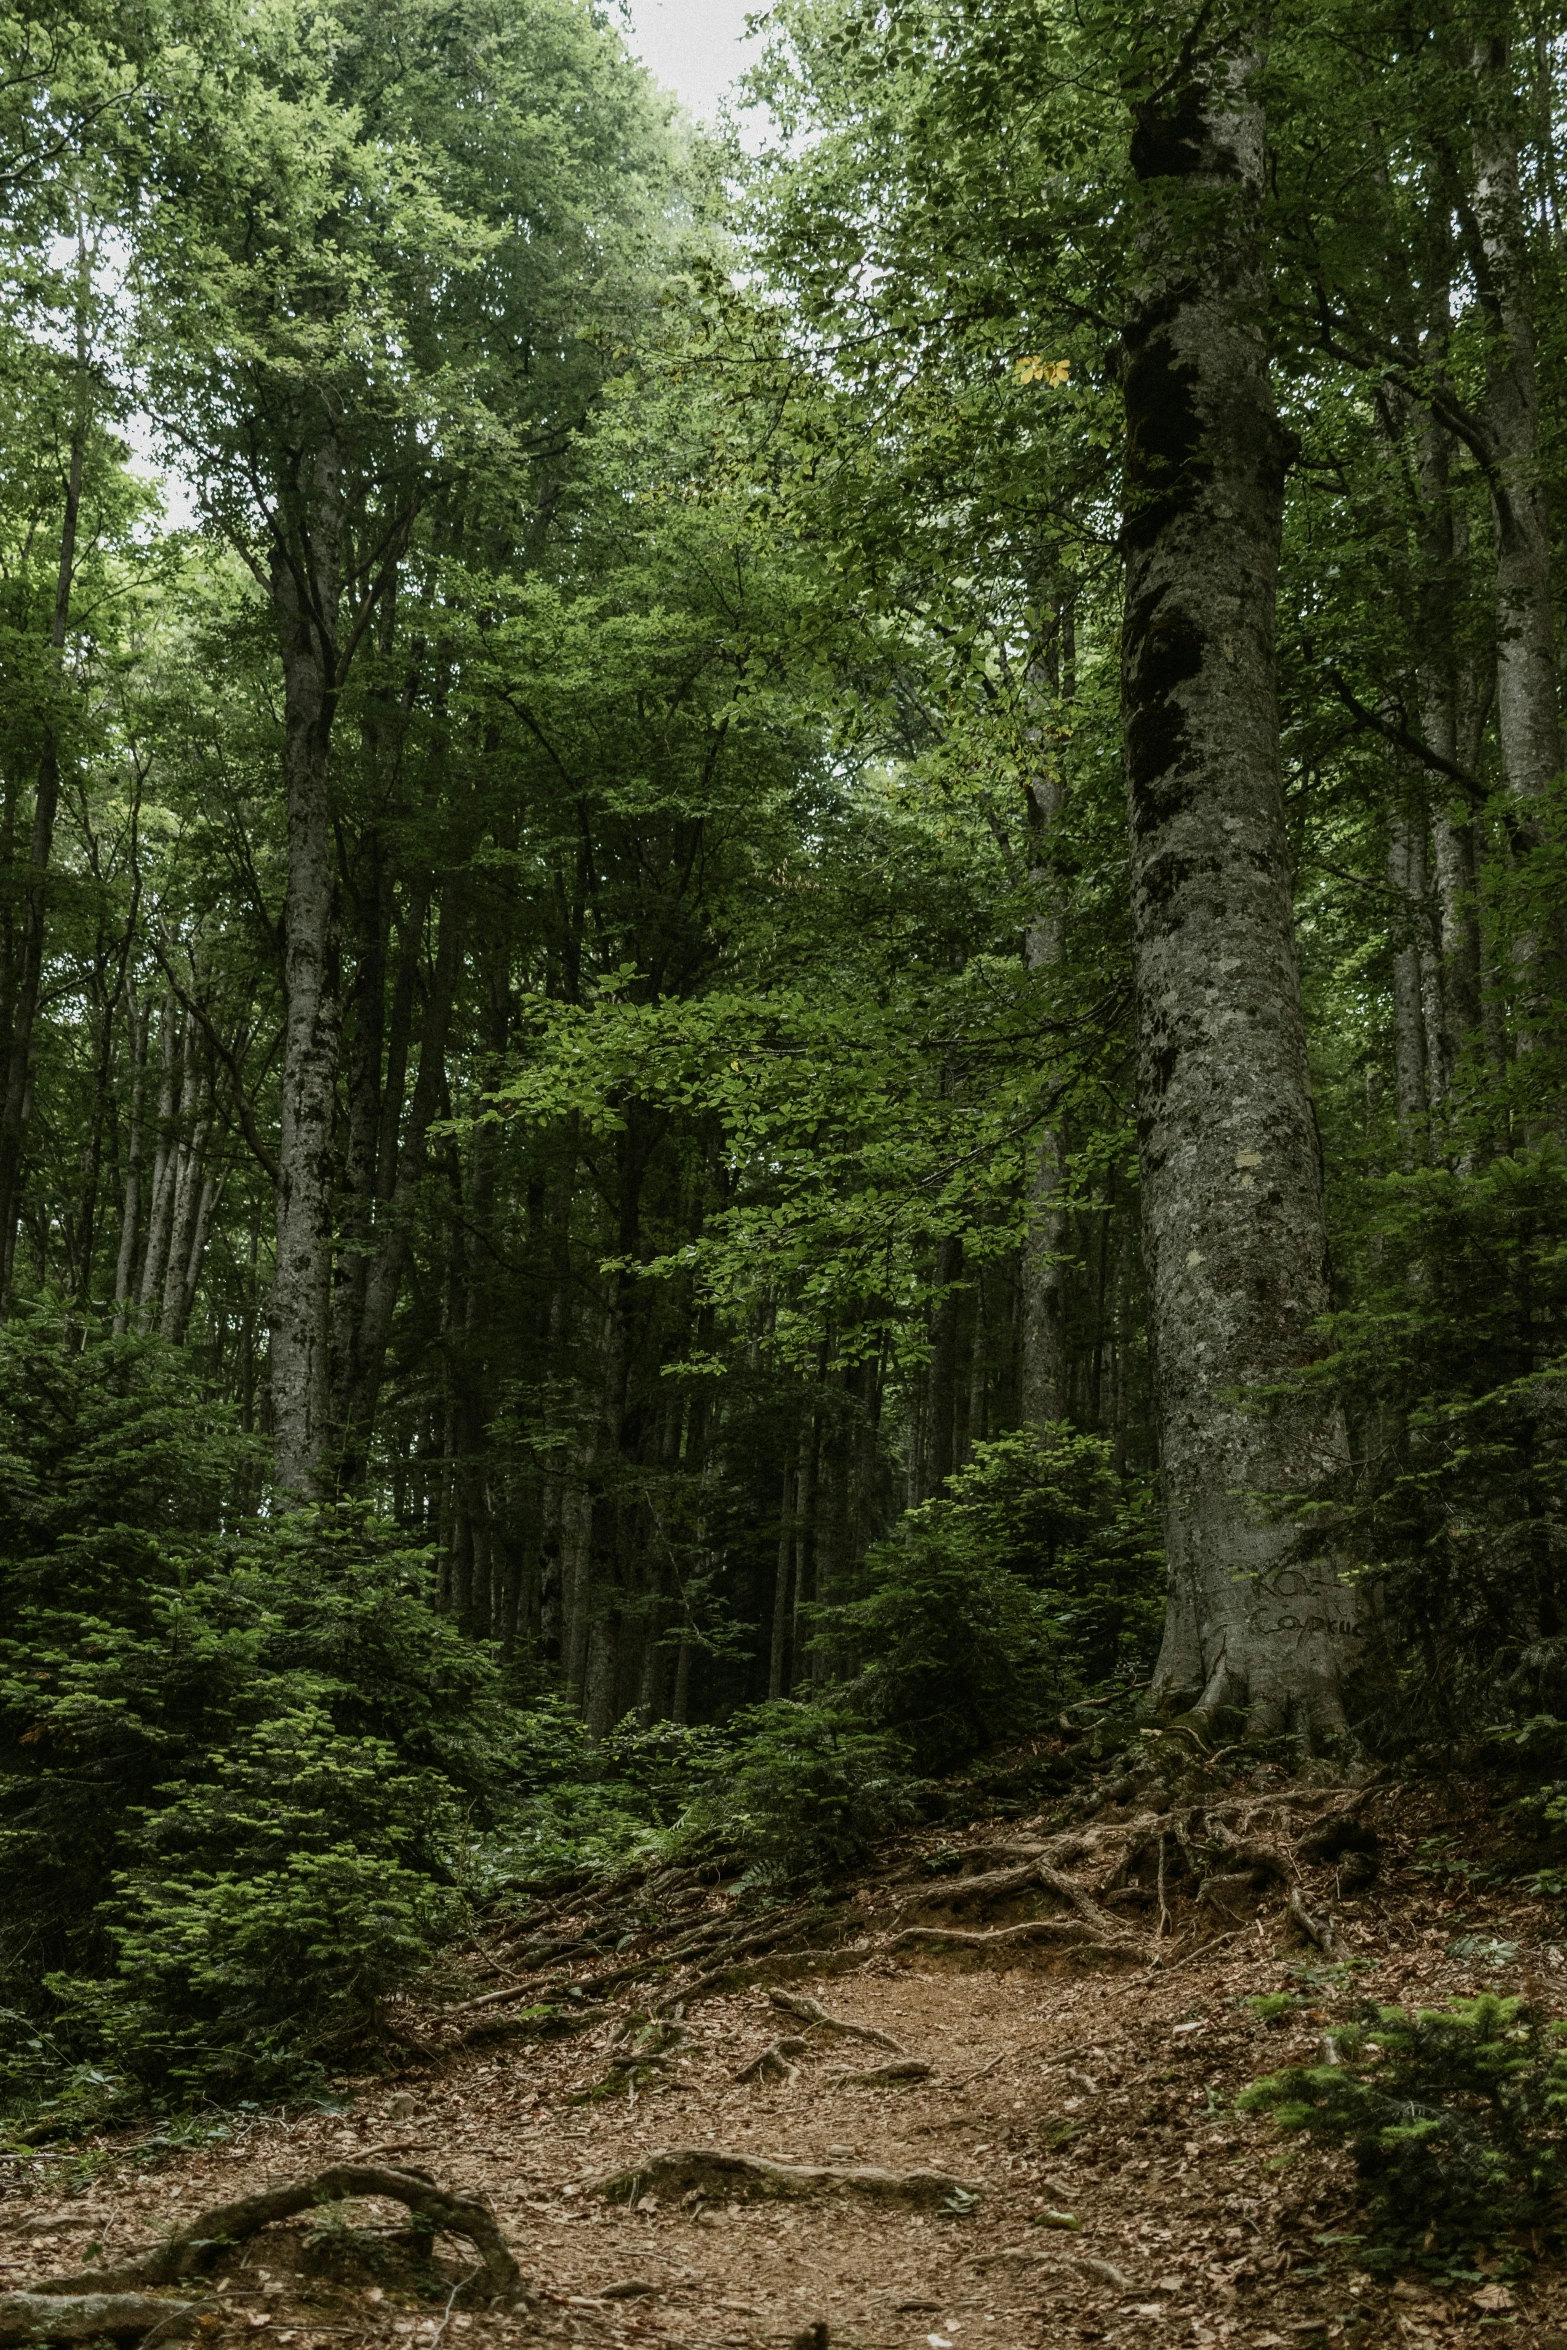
(1451, 1375)
(236, 1766)
(1454, 2116)
(272, 1905)
(573, 1802)
(804, 1788)
(1034, 1572)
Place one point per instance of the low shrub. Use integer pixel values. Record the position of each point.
(1454, 2116)
(1034, 1572)
(237, 1769)
(803, 1789)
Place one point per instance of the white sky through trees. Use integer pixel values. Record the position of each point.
(694, 47)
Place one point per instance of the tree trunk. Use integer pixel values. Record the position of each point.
(1232, 1220)
(1448, 717)
(16, 1098)
(1406, 873)
(942, 1378)
(130, 1217)
(1528, 721)
(778, 1653)
(1043, 1341)
(166, 1160)
(371, 1299)
(211, 1194)
(305, 597)
(801, 1642)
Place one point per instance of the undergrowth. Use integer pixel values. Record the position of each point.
(1454, 2117)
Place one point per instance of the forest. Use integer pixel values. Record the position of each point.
(783, 958)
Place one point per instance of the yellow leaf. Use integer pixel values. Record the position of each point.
(1035, 370)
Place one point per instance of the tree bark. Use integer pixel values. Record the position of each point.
(1043, 1375)
(305, 597)
(1528, 718)
(1406, 873)
(1233, 1226)
(130, 1216)
(367, 1304)
(165, 1165)
(942, 1378)
(778, 1651)
(16, 1098)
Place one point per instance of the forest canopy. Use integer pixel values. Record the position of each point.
(782, 969)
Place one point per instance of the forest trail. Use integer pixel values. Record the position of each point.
(1062, 2086)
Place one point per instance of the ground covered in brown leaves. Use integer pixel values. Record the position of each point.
(1099, 2185)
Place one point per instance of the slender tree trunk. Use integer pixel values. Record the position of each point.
(16, 1099)
(187, 1209)
(778, 1654)
(1232, 1212)
(361, 1348)
(942, 1379)
(1448, 698)
(305, 598)
(130, 1214)
(801, 1643)
(1043, 1335)
(211, 1194)
(165, 1166)
(369, 889)
(1528, 719)
(1406, 873)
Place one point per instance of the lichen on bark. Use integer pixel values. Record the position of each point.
(1232, 1221)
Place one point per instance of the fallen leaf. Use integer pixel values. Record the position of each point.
(1491, 2298)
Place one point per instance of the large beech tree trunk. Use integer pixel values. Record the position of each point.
(1232, 1221)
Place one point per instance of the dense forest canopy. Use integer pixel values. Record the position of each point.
(781, 961)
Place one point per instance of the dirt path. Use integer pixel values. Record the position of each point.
(1102, 2098)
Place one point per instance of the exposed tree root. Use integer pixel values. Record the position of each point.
(774, 2062)
(198, 2247)
(44, 2316)
(882, 2076)
(716, 2175)
(1228, 1896)
(812, 2012)
(1315, 1929)
(1065, 1934)
(1186, 1841)
(959, 1892)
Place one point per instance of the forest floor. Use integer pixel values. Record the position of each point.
(1077, 2080)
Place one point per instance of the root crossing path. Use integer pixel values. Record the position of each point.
(941, 2134)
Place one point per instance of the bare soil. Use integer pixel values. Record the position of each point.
(1110, 2191)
